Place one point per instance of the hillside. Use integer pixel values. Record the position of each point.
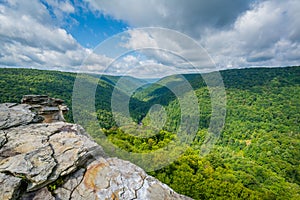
(14, 83)
(256, 157)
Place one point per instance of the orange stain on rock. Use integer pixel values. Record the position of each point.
(91, 174)
(114, 196)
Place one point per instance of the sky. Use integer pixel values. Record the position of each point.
(113, 37)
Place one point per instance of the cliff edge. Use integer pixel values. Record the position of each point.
(43, 157)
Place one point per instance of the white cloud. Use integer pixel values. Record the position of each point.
(29, 38)
(235, 33)
(188, 15)
(156, 52)
(61, 9)
(266, 35)
(133, 65)
(139, 39)
(169, 48)
(64, 6)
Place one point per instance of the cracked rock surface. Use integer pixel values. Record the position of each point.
(19, 114)
(59, 161)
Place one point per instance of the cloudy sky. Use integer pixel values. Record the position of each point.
(74, 35)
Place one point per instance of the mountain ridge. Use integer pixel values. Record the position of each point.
(256, 156)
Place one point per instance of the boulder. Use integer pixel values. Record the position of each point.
(60, 160)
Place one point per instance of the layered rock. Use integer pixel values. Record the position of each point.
(50, 109)
(60, 161)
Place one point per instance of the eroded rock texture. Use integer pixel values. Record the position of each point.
(49, 109)
(53, 161)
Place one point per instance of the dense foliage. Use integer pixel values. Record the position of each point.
(14, 83)
(256, 157)
(258, 153)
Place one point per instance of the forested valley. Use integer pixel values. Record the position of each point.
(257, 155)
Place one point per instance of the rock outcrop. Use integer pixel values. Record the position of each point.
(58, 160)
(50, 109)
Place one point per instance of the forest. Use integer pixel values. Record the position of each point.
(257, 155)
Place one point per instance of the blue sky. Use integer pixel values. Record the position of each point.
(68, 35)
(92, 28)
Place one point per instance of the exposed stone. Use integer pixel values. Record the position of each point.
(9, 186)
(41, 194)
(70, 185)
(40, 154)
(35, 165)
(43, 152)
(3, 138)
(113, 178)
(42, 100)
(15, 115)
(51, 109)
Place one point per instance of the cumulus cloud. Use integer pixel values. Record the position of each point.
(156, 52)
(235, 33)
(29, 38)
(189, 15)
(133, 65)
(241, 33)
(267, 35)
(170, 48)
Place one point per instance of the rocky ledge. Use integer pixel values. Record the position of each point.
(58, 160)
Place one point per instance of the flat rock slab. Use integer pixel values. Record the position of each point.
(12, 114)
(113, 178)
